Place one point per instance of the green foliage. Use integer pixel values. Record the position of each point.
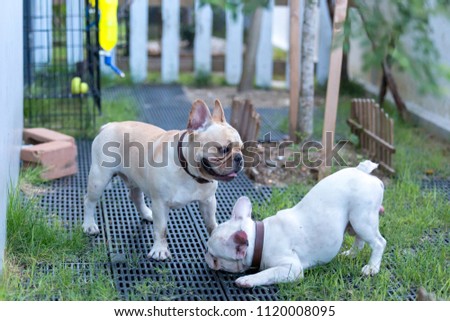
(386, 24)
(248, 6)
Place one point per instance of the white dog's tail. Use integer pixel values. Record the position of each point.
(367, 166)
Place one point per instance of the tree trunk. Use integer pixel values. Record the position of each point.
(392, 85)
(387, 74)
(306, 105)
(383, 91)
(248, 72)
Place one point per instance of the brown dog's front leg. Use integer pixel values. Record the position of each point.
(208, 210)
(160, 251)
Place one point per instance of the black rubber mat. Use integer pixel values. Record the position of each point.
(439, 185)
(128, 239)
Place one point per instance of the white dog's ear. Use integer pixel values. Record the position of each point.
(218, 114)
(242, 209)
(240, 242)
(199, 116)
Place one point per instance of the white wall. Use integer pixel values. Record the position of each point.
(430, 110)
(11, 104)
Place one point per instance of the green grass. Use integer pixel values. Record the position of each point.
(39, 251)
(32, 175)
(414, 259)
(67, 118)
(36, 239)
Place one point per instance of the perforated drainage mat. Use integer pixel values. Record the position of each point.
(127, 239)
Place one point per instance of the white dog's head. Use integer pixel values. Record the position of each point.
(228, 244)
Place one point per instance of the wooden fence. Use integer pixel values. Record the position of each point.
(172, 60)
(375, 131)
(245, 120)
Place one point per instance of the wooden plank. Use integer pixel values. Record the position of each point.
(364, 123)
(138, 40)
(202, 41)
(333, 84)
(245, 117)
(384, 143)
(257, 127)
(294, 62)
(378, 148)
(234, 47)
(264, 56)
(372, 127)
(236, 112)
(391, 140)
(170, 49)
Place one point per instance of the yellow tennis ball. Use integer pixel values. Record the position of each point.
(84, 88)
(75, 86)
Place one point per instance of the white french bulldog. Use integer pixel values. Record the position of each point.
(308, 234)
(173, 168)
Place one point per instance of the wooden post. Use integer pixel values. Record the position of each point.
(332, 96)
(264, 60)
(170, 43)
(234, 47)
(294, 62)
(138, 40)
(202, 41)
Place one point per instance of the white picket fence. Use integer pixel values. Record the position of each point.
(170, 58)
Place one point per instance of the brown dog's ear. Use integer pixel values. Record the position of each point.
(199, 116)
(240, 241)
(218, 114)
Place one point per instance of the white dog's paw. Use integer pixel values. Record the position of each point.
(245, 282)
(349, 253)
(159, 253)
(370, 270)
(91, 229)
(147, 214)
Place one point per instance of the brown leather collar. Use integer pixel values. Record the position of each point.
(259, 243)
(184, 163)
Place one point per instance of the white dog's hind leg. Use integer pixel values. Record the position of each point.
(366, 227)
(97, 181)
(357, 246)
(137, 197)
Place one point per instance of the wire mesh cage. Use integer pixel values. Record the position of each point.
(61, 65)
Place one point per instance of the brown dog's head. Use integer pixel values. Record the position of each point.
(217, 146)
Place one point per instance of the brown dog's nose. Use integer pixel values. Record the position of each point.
(238, 163)
(238, 159)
